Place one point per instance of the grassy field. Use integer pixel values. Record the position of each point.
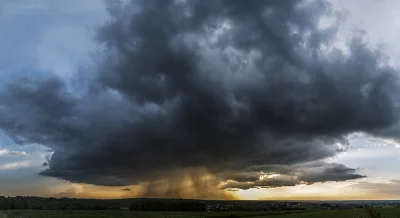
(389, 212)
(137, 214)
(356, 213)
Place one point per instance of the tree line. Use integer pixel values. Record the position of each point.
(168, 205)
(8, 203)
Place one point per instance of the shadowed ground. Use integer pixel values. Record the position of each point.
(350, 213)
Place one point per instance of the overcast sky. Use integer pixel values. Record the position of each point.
(57, 38)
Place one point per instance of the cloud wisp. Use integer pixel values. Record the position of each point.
(6, 152)
(15, 165)
(201, 92)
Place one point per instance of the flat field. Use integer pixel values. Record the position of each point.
(355, 213)
(389, 212)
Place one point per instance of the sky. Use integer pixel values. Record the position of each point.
(294, 100)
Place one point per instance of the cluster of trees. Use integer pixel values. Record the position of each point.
(372, 213)
(234, 207)
(74, 207)
(274, 208)
(168, 205)
(8, 203)
(36, 203)
(39, 203)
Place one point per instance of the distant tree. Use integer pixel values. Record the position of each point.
(25, 205)
(12, 205)
(6, 204)
(2, 203)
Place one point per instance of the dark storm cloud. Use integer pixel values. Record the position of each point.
(224, 85)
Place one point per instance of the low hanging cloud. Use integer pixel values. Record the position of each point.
(288, 175)
(15, 165)
(6, 152)
(238, 89)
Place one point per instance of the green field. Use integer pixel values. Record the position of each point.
(389, 212)
(386, 213)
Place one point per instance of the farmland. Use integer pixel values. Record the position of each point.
(35, 207)
(385, 212)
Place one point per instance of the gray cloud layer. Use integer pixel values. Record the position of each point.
(236, 87)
